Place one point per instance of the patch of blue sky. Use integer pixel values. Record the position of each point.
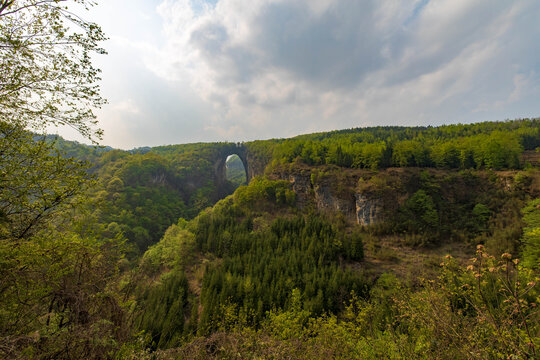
(199, 6)
(416, 12)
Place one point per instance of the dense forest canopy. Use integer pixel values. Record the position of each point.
(261, 268)
(256, 270)
(497, 145)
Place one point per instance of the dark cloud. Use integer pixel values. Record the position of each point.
(334, 49)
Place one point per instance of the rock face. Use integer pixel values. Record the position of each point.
(367, 210)
(327, 199)
(255, 165)
(301, 185)
(330, 196)
(159, 179)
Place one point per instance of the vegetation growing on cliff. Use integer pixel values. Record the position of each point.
(269, 281)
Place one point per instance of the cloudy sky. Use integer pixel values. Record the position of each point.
(233, 70)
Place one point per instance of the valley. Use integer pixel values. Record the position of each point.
(329, 243)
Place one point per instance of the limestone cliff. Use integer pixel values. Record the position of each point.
(368, 210)
(328, 192)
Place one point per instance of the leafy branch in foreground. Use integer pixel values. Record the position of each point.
(36, 182)
(46, 74)
(58, 271)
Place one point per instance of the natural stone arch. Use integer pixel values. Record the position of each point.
(254, 165)
(220, 167)
(220, 163)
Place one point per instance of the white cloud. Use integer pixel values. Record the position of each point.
(127, 106)
(280, 67)
(247, 69)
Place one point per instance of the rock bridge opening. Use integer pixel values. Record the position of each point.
(231, 169)
(235, 170)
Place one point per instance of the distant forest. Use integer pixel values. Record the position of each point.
(144, 190)
(497, 145)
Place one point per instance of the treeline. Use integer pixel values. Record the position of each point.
(496, 145)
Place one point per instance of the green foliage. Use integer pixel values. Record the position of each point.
(419, 213)
(142, 211)
(146, 190)
(235, 172)
(290, 323)
(431, 207)
(266, 273)
(163, 307)
(47, 75)
(502, 296)
(264, 191)
(480, 216)
(272, 282)
(483, 145)
(57, 297)
(144, 194)
(260, 269)
(486, 310)
(37, 183)
(531, 235)
(174, 251)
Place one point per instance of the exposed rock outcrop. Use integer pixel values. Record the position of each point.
(367, 210)
(301, 185)
(332, 195)
(327, 199)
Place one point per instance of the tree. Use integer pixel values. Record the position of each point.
(57, 267)
(419, 213)
(36, 182)
(46, 78)
(531, 234)
(46, 74)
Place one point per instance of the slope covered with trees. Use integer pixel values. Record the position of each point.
(139, 193)
(58, 295)
(261, 278)
(261, 268)
(108, 254)
(144, 190)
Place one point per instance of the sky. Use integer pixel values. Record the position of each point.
(181, 71)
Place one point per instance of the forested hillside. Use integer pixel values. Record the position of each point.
(366, 243)
(315, 258)
(293, 264)
(139, 193)
(142, 191)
